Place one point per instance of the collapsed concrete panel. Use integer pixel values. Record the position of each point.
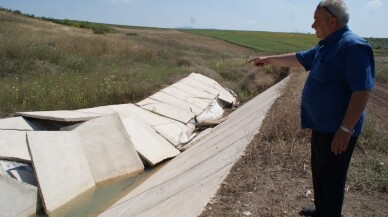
(60, 166)
(168, 128)
(61, 115)
(150, 145)
(100, 110)
(184, 186)
(168, 99)
(17, 123)
(108, 148)
(223, 93)
(197, 93)
(196, 84)
(13, 146)
(166, 110)
(17, 198)
(186, 96)
(20, 171)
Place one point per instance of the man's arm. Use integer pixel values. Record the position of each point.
(285, 60)
(356, 106)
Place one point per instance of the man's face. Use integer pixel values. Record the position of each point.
(324, 23)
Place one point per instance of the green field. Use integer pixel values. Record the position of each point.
(276, 43)
(263, 42)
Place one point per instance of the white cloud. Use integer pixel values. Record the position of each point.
(374, 3)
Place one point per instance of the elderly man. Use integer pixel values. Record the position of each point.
(333, 100)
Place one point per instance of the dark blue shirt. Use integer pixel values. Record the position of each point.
(339, 65)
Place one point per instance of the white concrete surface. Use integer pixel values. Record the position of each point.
(168, 99)
(18, 199)
(24, 174)
(100, 110)
(60, 166)
(166, 110)
(16, 123)
(223, 94)
(185, 185)
(186, 96)
(197, 93)
(61, 115)
(108, 148)
(13, 146)
(166, 127)
(151, 146)
(196, 84)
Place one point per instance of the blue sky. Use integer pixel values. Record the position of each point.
(367, 17)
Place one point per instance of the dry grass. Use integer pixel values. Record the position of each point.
(46, 66)
(273, 177)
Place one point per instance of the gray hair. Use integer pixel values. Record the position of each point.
(337, 8)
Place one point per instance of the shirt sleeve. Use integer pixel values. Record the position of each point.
(306, 57)
(359, 67)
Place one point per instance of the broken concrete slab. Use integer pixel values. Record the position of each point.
(150, 145)
(100, 110)
(61, 115)
(166, 110)
(168, 128)
(185, 185)
(60, 166)
(168, 99)
(197, 93)
(24, 174)
(13, 146)
(18, 199)
(108, 148)
(187, 97)
(223, 93)
(196, 84)
(17, 123)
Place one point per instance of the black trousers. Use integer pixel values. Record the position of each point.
(329, 173)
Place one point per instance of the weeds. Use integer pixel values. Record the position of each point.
(44, 66)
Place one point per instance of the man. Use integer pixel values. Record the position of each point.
(333, 100)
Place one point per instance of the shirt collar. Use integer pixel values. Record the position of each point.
(335, 36)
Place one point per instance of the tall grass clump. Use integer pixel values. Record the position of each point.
(369, 170)
(382, 69)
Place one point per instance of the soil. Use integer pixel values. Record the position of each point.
(271, 180)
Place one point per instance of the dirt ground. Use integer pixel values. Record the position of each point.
(273, 179)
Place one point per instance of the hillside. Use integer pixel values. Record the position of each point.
(47, 66)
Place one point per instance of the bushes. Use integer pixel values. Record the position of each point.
(97, 28)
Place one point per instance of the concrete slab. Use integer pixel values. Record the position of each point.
(223, 93)
(168, 128)
(184, 186)
(61, 115)
(205, 96)
(174, 101)
(101, 110)
(16, 123)
(18, 199)
(187, 97)
(108, 148)
(196, 84)
(24, 174)
(13, 146)
(166, 110)
(60, 166)
(150, 145)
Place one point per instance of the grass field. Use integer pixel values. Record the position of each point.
(263, 42)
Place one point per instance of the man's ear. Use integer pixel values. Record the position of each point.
(333, 21)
